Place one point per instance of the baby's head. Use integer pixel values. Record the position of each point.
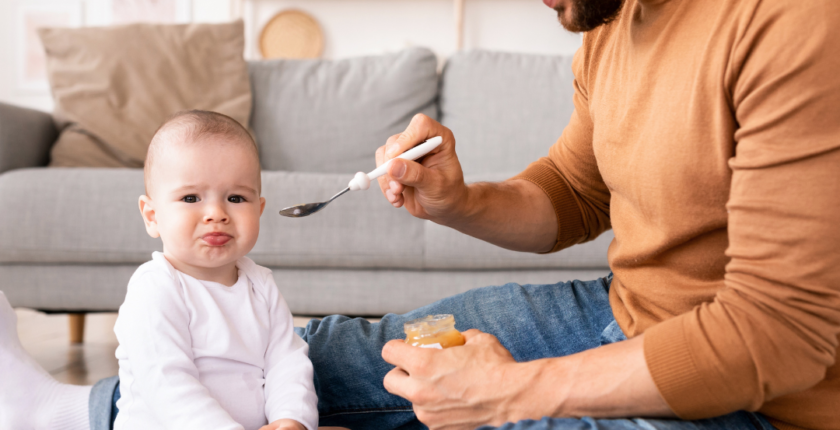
(202, 199)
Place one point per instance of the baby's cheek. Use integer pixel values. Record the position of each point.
(251, 228)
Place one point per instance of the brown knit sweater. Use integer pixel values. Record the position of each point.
(706, 134)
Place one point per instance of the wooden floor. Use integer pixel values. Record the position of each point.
(46, 337)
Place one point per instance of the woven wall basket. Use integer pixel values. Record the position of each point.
(291, 34)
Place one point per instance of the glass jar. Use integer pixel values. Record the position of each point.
(433, 331)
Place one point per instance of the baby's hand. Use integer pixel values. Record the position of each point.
(284, 424)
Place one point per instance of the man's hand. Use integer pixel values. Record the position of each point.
(432, 189)
(513, 214)
(284, 424)
(481, 384)
(462, 387)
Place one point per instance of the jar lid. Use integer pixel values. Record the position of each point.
(430, 323)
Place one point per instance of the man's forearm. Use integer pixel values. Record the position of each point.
(606, 382)
(514, 214)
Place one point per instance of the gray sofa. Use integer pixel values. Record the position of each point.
(71, 238)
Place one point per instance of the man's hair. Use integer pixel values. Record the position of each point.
(191, 126)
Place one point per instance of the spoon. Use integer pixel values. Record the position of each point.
(362, 181)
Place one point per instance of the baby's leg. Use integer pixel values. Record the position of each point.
(30, 399)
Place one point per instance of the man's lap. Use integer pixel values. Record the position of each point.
(532, 321)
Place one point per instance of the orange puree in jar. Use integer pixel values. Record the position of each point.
(433, 331)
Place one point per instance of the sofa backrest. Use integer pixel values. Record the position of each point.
(505, 109)
(330, 116)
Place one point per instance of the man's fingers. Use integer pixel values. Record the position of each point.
(408, 173)
(410, 358)
(392, 139)
(396, 187)
(473, 336)
(380, 158)
(419, 129)
(400, 383)
(395, 382)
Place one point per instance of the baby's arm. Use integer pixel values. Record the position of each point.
(153, 329)
(289, 389)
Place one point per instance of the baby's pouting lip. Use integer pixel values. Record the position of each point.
(216, 238)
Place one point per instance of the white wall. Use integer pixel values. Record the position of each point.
(351, 28)
(363, 27)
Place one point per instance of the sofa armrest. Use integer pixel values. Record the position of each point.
(26, 136)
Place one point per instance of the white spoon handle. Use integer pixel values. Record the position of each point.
(412, 154)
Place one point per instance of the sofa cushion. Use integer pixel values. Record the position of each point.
(114, 86)
(73, 215)
(359, 229)
(66, 215)
(330, 116)
(505, 109)
(90, 216)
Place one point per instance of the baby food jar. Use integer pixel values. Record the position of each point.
(433, 331)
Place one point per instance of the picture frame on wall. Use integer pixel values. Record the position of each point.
(30, 58)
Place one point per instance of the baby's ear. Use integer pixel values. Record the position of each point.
(262, 205)
(147, 210)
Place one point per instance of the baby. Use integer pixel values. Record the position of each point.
(206, 341)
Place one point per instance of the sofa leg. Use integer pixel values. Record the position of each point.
(77, 328)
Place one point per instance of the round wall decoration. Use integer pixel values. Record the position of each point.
(291, 34)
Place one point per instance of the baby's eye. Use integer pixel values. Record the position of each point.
(236, 199)
(190, 199)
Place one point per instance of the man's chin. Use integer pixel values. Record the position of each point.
(577, 16)
(566, 18)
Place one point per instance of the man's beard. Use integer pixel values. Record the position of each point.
(588, 14)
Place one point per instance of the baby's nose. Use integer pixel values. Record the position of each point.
(216, 214)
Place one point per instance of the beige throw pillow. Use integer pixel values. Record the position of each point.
(114, 86)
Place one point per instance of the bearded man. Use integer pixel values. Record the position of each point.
(706, 134)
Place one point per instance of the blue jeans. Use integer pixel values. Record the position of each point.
(532, 321)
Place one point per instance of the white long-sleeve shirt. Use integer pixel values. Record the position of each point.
(200, 355)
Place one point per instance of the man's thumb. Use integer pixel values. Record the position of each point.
(406, 172)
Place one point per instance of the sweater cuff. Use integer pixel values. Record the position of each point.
(671, 364)
(569, 216)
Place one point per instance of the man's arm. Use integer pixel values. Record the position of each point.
(480, 383)
(515, 214)
(558, 201)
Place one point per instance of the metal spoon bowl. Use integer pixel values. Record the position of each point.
(306, 209)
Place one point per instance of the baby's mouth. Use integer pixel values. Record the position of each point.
(216, 238)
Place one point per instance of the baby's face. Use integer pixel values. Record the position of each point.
(205, 203)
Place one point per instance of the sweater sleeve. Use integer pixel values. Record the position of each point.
(569, 175)
(774, 327)
(153, 329)
(289, 386)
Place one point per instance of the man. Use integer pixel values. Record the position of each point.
(707, 136)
